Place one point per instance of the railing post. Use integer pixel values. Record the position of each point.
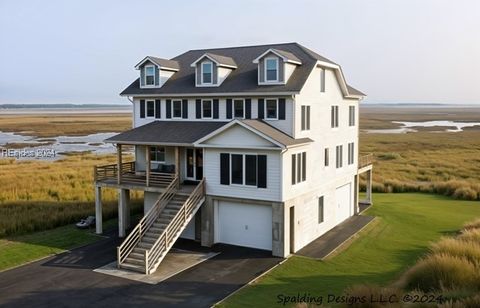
(146, 262)
(118, 257)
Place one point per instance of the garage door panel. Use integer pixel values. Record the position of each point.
(246, 225)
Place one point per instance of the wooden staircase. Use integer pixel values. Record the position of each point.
(149, 242)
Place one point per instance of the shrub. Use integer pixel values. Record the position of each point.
(458, 248)
(472, 224)
(465, 193)
(470, 235)
(437, 272)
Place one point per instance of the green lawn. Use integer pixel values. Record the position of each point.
(406, 225)
(19, 250)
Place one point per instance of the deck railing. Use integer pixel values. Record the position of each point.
(145, 223)
(365, 160)
(172, 231)
(129, 175)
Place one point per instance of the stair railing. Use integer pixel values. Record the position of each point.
(146, 222)
(170, 233)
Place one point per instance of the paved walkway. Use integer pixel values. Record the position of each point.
(330, 241)
(68, 280)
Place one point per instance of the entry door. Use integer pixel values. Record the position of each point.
(194, 164)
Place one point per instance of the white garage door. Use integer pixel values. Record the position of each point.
(344, 202)
(244, 225)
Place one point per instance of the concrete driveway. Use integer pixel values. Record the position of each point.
(68, 280)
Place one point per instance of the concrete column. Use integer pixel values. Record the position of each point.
(127, 209)
(121, 212)
(207, 214)
(98, 210)
(357, 194)
(279, 244)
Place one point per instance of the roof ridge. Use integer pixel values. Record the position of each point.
(244, 46)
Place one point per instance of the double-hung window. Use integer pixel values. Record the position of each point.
(321, 213)
(271, 109)
(339, 156)
(150, 109)
(177, 109)
(322, 80)
(207, 109)
(299, 167)
(207, 72)
(334, 116)
(305, 118)
(351, 115)
(157, 154)
(238, 108)
(351, 153)
(271, 69)
(150, 75)
(327, 157)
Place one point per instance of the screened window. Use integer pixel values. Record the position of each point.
(149, 75)
(351, 115)
(157, 154)
(207, 109)
(237, 169)
(177, 109)
(150, 109)
(351, 153)
(305, 118)
(207, 72)
(238, 108)
(339, 156)
(321, 214)
(271, 69)
(299, 167)
(327, 157)
(334, 116)
(271, 109)
(322, 80)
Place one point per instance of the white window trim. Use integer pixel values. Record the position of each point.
(265, 111)
(181, 108)
(233, 108)
(145, 77)
(146, 109)
(244, 170)
(164, 154)
(211, 109)
(277, 67)
(201, 73)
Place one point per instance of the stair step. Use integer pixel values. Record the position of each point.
(133, 261)
(133, 267)
(157, 230)
(145, 245)
(139, 250)
(151, 233)
(161, 223)
(136, 255)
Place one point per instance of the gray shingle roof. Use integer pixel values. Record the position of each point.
(167, 132)
(354, 91)
(274, 133)
(165, 63)
(287, 55)
(222, 60)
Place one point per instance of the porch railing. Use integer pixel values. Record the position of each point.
(365, 160)
(129, 175)
(153, 256)
(145, 223)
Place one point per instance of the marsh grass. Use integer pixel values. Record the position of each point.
(41, 195)
(440, 163)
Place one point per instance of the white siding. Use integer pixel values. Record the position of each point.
(164, 76)
(289, 68)
(223, 73)
(211, 163)
(283, 125)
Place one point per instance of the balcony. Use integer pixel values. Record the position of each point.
(365, 160)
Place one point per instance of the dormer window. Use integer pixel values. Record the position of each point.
(271, 69)
(149, 75)
(207, 72)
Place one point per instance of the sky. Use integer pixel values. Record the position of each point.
(85, 51)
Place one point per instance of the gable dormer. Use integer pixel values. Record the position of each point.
(211, 70)
(276, 66)
(154, 72)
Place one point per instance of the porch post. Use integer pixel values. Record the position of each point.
(98, 210)
(127, 208)
(121, 212)
(369, 186)
(147, 167)
(119, 163)
(177, 165)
